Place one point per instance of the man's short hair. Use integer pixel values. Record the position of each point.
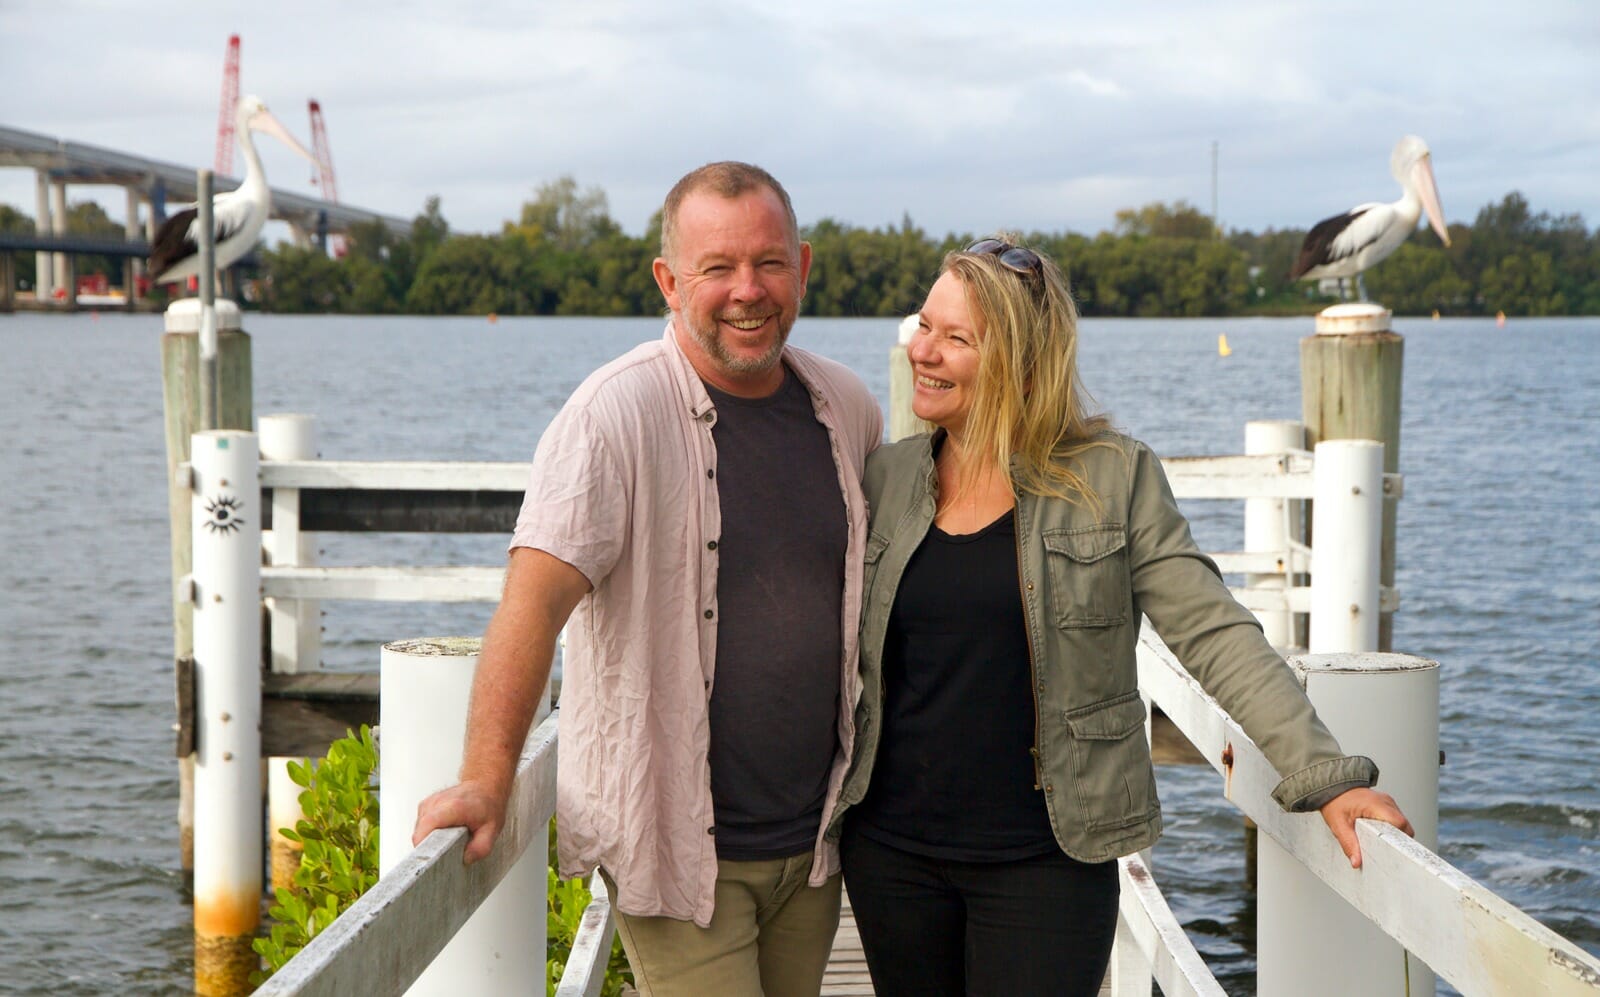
(728, 179)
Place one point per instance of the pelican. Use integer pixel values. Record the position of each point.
(237, 216)
(1345, 245)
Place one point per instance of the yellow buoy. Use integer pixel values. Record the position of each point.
(1500, 320)
(1223, 349)
(1436, 314)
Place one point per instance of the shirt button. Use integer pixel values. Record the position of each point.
(711, 830)
(711, 473)
(711, 545)
(708, 417)
(708, 614)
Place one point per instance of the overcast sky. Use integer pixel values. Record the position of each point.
(969, 116)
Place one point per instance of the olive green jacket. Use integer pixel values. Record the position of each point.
(1086, 575)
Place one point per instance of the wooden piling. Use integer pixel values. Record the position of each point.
(1350, 375)
(180, 385)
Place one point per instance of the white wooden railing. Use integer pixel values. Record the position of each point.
(1477, 941)
(1468, 935)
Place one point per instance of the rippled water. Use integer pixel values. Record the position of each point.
(1499, 538)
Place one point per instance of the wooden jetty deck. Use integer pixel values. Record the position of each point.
(847, 967)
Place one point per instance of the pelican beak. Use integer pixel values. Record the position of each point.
(1422, 178)
(263, 121)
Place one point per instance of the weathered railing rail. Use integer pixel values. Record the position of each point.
(384, 941)
(1476, 940)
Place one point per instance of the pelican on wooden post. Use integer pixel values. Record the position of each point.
(1345, 245)
(237, 216)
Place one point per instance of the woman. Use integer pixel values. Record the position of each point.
(1001, 764)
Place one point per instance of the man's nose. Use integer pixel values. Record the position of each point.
(747, 285)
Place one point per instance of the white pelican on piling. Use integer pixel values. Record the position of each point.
(1345, 245)
(237, 216)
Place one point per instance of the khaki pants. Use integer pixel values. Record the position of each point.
(770, 936)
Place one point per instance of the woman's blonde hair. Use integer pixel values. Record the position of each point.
(1028, 402)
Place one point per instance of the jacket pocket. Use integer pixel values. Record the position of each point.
(876, 545)
(1089, 581)
(1113, 780)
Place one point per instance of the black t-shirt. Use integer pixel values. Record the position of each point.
(780, 587)
(954, 777)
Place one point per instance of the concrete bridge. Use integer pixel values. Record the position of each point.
(149, 184)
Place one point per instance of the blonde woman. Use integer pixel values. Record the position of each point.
(1000, 763)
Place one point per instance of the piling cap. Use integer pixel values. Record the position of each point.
(183, 315)
(1349, 319)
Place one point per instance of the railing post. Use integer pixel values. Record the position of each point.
(227, 654)
(1347, 532)
(423, 696)
(294, 625)
(1270, 524)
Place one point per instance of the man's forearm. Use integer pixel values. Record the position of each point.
(514, 666)
(506, 692)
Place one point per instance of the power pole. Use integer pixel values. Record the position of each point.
(1216, 221)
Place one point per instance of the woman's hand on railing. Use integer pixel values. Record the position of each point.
(1343, 810)
(471, 805)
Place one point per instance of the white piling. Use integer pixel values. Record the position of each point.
(902, 421)
(227, 652)
(1270, 524)
(1384, 706)
(1308, 941)
(295, 624)
(424, 689)
(1347, 536)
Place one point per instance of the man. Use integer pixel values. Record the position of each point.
(697, 502)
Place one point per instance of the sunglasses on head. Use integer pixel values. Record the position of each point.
(1015, 258)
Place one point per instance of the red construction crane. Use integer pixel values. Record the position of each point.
(324, 177)
(230, 107)
(324, 154)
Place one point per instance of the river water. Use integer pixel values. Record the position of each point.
(1499, 538)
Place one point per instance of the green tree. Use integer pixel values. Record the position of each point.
(1180, 220)
(14, 221)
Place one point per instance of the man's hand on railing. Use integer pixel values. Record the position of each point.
(1342, 811)
(471, 805)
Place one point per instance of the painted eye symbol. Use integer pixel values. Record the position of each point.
(224, 513)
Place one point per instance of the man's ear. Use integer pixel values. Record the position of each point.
(805, 266)
(667, 281)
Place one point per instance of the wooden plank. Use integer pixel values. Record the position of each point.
(1149, 924)
(590, 955)
(1241, 477)
(384, 583)
(1465, 933)
(423, 475)
(303, 713)
(403, 510)
(383, 942)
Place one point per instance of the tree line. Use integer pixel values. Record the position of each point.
(565, 255)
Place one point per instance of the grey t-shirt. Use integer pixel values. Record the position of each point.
(780, 584)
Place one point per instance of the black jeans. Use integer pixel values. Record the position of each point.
(932, 927)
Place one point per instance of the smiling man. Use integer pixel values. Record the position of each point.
(695, 508)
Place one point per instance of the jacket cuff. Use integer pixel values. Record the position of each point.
(1297, 792)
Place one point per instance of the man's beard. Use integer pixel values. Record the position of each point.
(712, 343)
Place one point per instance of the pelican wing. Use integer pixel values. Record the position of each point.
(174, 241)
(1335, 239)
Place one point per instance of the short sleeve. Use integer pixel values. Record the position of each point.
(576, 505)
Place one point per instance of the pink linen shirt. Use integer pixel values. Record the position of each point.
(623, 487)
